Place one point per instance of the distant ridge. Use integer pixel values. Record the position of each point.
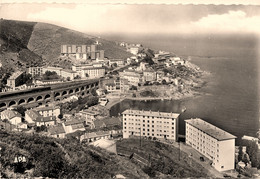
(32, 43)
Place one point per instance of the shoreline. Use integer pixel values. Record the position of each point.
(193, 92)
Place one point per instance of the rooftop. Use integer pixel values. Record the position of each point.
(210, 129)
(15, 75)
(47, 108)
(73, 122)
(56, 130)
(44, 119)
(68, 71)
(11, 114)
(151, 113)
(33, 114)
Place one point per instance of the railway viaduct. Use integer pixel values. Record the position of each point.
(55, 92)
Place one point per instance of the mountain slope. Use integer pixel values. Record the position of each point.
(46, 40)
(24, 44)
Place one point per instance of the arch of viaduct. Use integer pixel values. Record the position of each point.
(56, 94)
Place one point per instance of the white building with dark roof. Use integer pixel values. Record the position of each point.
(213, 142)
(162, 125)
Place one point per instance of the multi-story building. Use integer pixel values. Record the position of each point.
(133, 77)
(69, 74)
(15, 79)
(92, 72)
(213, 142)
(161, 125)
(49, 111)
(118, 62)
(149, 75)
(35, 71)
(82, 51)
(52, 69)
(119, 85)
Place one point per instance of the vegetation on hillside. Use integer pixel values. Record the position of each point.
(67, 158)
(163, 159)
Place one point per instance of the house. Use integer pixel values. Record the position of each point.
(45, 121)
(73, 126)
(15, 79)
(94, 136)
(143, 66)
(57, 131)
(100, 92)
(12, 116)
(31, 116)
(49, 111)
(149, 75)
(133, 77)
(118, 62)
(119, 85)
(134, 50)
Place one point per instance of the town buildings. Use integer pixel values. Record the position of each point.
(93, 72)
(213, 142)
(52, 69)
(161, 125)
(118, 62)
(35, 71)
(120, 85)
(149, 75)
(15, 79)
(82, 52)
(49, 111)
(133, 77)
(12, 116)
(134, 50)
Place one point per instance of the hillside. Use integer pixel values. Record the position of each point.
(53, 158)
(31, 44)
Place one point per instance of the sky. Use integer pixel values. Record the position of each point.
(132, 18)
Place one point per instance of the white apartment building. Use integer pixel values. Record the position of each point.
(161, 125)
(93, 72)
(212, 142)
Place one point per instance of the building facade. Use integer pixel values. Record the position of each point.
(15, 79)
(149, 75)
(212, 142)
(93, 72)
(35, 71)
(161, 125)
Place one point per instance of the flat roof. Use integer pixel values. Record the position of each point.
(210, 129)
(151, 113)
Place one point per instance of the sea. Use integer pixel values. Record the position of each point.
(230, 98)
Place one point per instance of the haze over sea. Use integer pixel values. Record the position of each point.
(231, 101)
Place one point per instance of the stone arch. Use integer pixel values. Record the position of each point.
(38, 98)
(82, 88)
(21, 101)
(57, 94)
(77, 90)
(64, 93)
(82, 94)
(2, 105)
(12, 103)
(31, 99)
(71, 91)
(47, 96)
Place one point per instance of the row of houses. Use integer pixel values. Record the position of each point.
(36, 117)
(209, 140)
